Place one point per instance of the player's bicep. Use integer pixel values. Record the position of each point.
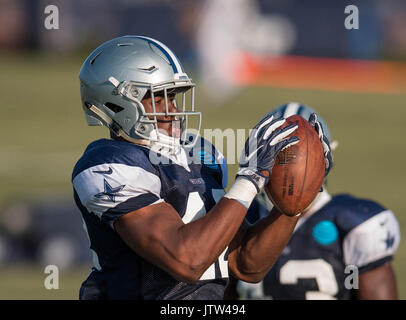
(151, 232)
(151, 223)
(378, 284)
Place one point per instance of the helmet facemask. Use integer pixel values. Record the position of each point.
(146, 127)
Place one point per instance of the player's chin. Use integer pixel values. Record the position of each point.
(169, 129)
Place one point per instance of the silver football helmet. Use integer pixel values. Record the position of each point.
(118, 74)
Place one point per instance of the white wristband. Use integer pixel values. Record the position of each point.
(242, 190)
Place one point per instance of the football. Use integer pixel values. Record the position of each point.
(298, 173)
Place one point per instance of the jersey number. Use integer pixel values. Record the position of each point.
(317, 269)
(194, 210)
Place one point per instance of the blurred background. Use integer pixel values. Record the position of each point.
(246, 56)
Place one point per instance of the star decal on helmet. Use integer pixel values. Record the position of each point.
(110, 193)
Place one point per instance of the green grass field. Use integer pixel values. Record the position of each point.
(43, 133)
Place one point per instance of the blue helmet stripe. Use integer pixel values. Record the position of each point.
(282, 111)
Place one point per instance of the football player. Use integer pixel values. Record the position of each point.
(159, 221)
(341, 248)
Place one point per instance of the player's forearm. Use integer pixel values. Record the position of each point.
(204, 239)
(259, 246)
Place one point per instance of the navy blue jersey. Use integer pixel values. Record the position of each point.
(342, 232)
(113, 178)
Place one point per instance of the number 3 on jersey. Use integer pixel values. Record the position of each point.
(194, 210)
(317, 269)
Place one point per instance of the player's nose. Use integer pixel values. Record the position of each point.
(172, 106)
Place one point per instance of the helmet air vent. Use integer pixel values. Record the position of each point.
(95, 57)
(113, 107)
(124, 44)
(149, 69)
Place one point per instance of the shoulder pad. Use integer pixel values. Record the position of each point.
(351, 211)
(107, 151)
